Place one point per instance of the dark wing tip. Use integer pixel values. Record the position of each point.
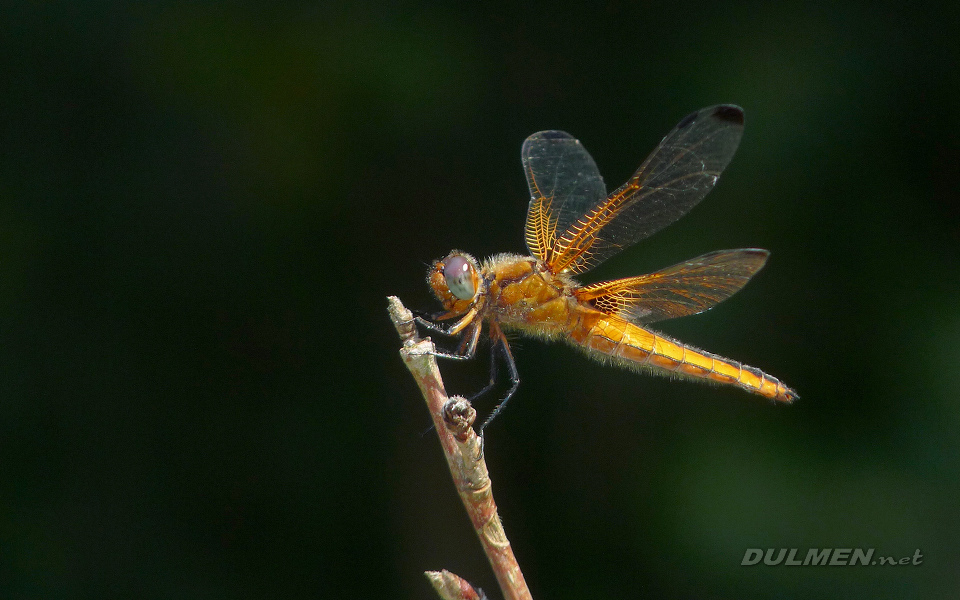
(552, 134)
(758, 255)
(757, 252)
(728, 112)
(540, 138)
(687, 120)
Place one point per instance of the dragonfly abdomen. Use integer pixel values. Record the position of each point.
(631, 346)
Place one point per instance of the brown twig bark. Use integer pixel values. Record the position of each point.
(453, 420)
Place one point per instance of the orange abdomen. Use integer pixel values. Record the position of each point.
(634, 346)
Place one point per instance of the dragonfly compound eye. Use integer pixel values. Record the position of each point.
(459, 275)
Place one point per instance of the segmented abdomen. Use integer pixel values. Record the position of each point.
(634, 346)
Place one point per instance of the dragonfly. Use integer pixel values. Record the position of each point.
(572, 226)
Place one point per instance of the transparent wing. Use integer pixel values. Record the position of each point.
(685, 289)
(564, 182)
(673, 179)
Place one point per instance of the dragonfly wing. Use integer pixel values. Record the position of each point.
(673, 179)
(564, 182)
(688, 288)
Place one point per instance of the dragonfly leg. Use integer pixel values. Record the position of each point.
(466, 350)
(431, 325)
(489, 386)
(493, 373)
(430, 316)
(501, 341)
(452, 330)
(469, 340)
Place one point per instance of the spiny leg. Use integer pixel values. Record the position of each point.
(452, 330)
(494, 344)
(501, 340)
(425, 319)
(493, 372)
(441, 315)
(432, 326)
(470, 338)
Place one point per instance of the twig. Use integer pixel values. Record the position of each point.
(453, 587)
(453, 420)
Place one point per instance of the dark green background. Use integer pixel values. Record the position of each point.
(203, 208)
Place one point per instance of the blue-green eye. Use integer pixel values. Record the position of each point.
(459, 274)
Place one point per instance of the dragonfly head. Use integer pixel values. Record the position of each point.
(455, 280)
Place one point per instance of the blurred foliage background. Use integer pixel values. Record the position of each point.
(203, 207)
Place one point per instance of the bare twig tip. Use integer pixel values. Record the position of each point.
(402, 319)
(453, 587)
